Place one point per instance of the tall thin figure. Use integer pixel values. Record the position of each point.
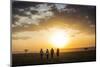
(58, 52)
(41, 54)
(52, 53)
(47, 54)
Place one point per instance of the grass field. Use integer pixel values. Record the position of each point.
(65, 57)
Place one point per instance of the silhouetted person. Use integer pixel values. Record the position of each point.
(41, 54)
(47, 54)
(52, 52)
(57, 52)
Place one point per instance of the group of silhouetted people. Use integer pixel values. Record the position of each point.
(47, 53)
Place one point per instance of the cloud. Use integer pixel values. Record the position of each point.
(28, 17)
(34, 16)
(30, 35)
(28, 13)
(21, 10)
(22, 38)
(64, 7)
(22, 35)
(43, 8)
(60, 7)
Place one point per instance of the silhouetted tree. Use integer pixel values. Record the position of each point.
(26, 50)
(85, 48)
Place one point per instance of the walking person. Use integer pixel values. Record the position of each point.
(47, 54)
(57, 53)
(41, 54)
(52, 53)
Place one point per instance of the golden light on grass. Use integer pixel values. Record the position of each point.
(59, 38)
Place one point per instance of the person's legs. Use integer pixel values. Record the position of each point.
(47, 56)
(51, 55)
(41, 56)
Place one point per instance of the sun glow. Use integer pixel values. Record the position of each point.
(59, 38)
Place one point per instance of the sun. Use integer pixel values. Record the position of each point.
(59, 38)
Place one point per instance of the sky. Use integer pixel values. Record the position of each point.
(33, 23)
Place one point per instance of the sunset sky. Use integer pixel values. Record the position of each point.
(36, 24)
